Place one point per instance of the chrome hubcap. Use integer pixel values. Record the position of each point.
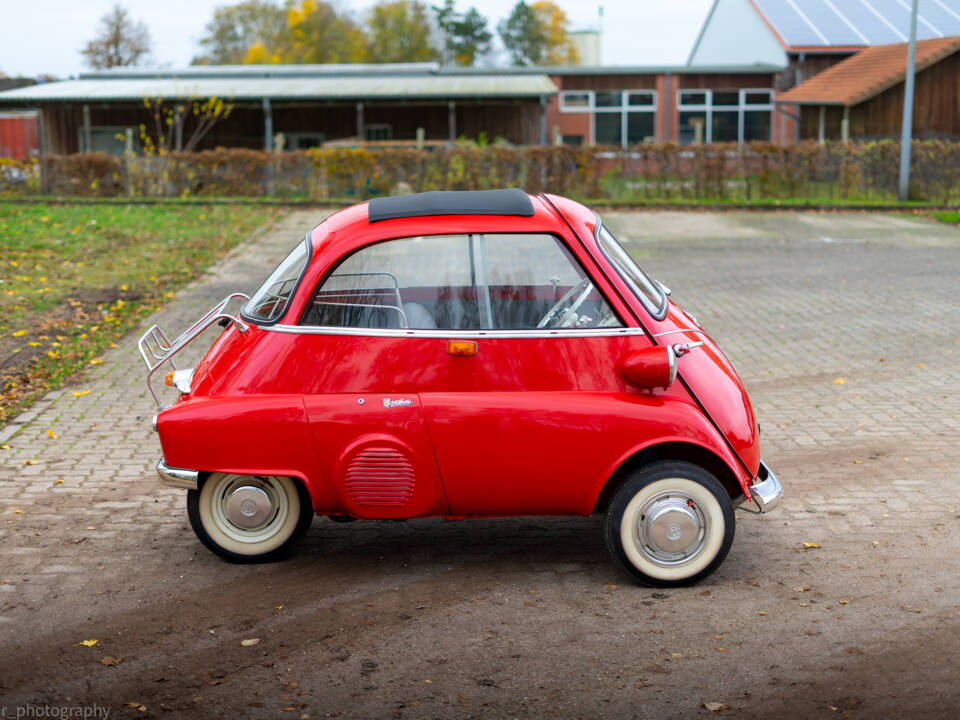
(248, 507)
(671, 529)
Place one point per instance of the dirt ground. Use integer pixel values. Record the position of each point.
(846, 329)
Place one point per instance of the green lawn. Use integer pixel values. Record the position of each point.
(75, 277)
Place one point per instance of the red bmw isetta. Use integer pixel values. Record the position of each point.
(462, 354)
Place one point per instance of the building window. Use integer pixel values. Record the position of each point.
(110, 140)
(574, 101)
(617, 117)
(725, 115)
(302, 140)
(379, 132)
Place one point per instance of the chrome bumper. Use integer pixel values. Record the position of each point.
(766, 491)
(177, 477)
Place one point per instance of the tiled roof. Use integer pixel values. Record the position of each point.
(868, 73)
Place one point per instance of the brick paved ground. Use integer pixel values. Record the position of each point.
(528, 617)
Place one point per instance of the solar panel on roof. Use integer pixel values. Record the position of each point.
(874, 22)
(829, 22)
(789, 23)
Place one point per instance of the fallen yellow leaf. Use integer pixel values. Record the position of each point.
(89, 643)
(20, 333)
(58, 482)
(51, 434)
(80, 393)
(716, 706)
(811, 545)
(279, 607)
(29, 462)
(4, 447)
(96, 362)
(18, 512)
(840, 381)
(920, 365)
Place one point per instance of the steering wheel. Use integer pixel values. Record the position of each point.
(578, 293)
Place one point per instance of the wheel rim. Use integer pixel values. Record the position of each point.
(671, 529)
(249, 509)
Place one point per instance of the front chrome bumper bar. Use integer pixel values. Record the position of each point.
(177, 477)
(766, 491)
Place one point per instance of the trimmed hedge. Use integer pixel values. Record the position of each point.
(855, 172)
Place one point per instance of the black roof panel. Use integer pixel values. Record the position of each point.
(512, 201)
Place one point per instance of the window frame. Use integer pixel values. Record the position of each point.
(623, 329)
(624, 108)
(657, 313)
(259, 321)
(708, 107)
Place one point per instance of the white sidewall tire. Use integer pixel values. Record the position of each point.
(640, 489)
(226, 538)
(713, 539)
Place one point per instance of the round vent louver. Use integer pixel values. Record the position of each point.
(381, 477)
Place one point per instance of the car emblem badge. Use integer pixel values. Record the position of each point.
(402, 402)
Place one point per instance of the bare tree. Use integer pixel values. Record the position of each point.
(121, 41)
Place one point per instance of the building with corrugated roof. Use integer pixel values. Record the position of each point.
(747, 55)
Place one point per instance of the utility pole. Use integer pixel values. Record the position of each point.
(907, 131)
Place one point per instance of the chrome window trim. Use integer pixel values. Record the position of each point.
(657, 313)
(452, 334)
(260, 321)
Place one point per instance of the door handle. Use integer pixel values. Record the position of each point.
(682, 349)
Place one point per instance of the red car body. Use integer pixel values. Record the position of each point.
(406, 423)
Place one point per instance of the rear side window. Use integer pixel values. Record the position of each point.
(270, 301)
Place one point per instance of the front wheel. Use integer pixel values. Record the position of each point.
(249, 518)
(669, 524)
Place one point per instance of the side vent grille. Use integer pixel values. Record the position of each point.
(380, 477)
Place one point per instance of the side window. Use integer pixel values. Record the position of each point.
(461, 282)
(270, 300)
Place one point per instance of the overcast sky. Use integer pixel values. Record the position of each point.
(45, 36)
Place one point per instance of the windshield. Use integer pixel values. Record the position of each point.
(648, 292)
(270, 301)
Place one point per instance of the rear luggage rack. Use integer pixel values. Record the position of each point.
(156, 349)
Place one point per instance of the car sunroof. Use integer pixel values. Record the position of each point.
(512, 201)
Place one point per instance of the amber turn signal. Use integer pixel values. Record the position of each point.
(461, 347)
(168, 380)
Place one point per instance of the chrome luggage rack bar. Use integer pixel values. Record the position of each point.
(156, 348)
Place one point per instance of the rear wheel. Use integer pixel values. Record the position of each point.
(249, 518)
(670, 523)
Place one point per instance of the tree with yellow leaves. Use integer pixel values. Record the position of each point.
(258, 32)
(319, 34)
(536, 34)
(558, 47)
(400, 32)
